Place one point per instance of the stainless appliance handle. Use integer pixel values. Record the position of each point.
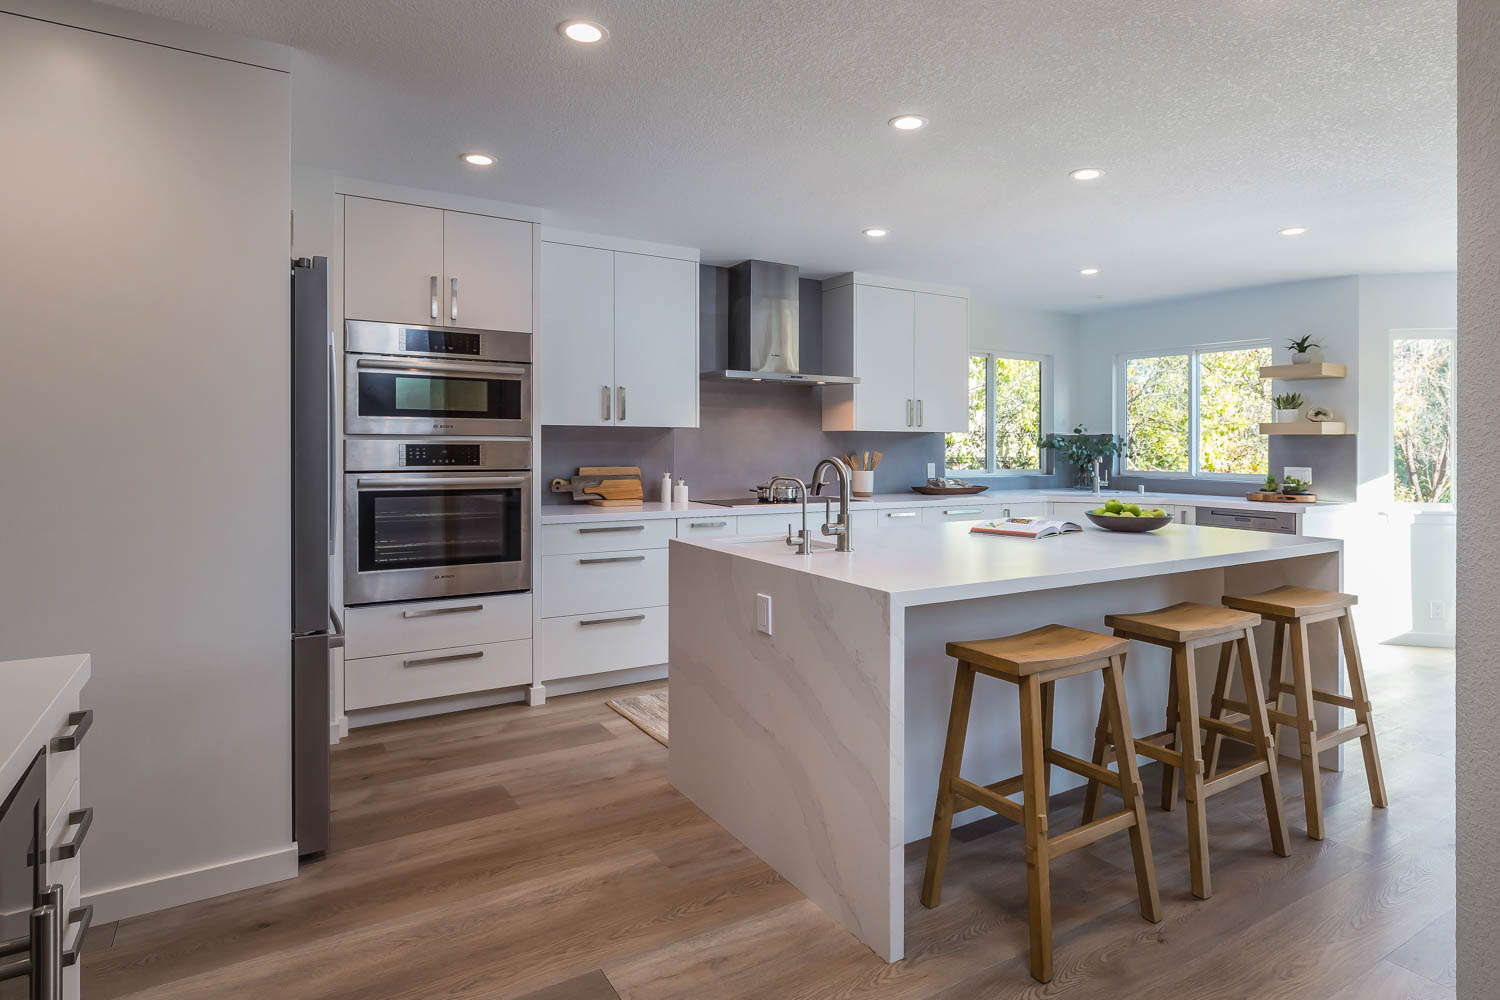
(333, 462)
(424, 660)
(426, 364)
(428, 613)
(83, 819)
(621, 392)
(612, 527)
(432, 289)
(79, 722)
(453, 299)
(965, 510)
(708, 524)
(610, 559)
(902, 513)
(435, 482)
(336, 640)
(604, 402)
(83, 916)
(611, 621)
(919, 413)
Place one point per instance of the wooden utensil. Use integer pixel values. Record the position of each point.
(868, 466)
(878, 457)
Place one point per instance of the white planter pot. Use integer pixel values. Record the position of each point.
(1311, 356)
(863, 484)
(1286, 416)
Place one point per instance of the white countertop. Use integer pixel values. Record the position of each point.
(32, 689)
(933, 564)
(582, 512)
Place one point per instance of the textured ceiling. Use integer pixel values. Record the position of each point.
(758, 128)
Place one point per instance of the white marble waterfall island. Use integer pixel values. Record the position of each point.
(818, 745)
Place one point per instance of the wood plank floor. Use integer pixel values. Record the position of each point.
(541, 854)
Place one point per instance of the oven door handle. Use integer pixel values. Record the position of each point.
(435, 483)
(429, 365)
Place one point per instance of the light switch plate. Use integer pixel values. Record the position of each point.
(1302, 472)
(763, 613)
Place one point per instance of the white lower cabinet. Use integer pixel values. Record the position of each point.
(68, 825)
(372, 681)
(891, 520)
(585, 582)
(381, 629)
(941, 513)
(577, 645)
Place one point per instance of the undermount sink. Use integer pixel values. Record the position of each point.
(774, 542)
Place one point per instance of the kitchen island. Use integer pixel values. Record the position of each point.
(818, 745)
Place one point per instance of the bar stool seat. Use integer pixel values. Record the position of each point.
(1035, 661)
(1292, 609)
(1183, 628)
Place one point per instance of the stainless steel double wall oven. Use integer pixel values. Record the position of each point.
(437, 486)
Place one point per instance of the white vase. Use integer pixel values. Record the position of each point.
(1310, 356)
(1286, 416)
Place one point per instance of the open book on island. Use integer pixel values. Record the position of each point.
(1026, 527)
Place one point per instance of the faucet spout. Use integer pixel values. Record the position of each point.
(844, 527)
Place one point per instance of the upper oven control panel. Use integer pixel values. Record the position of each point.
(436, 456)
(413, 454)
(364, 337)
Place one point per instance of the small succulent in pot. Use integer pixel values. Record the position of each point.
(1269, 486)
(1292, 486)
(1305, 349)
(1287, 405)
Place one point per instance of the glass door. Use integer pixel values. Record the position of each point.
(415, 395)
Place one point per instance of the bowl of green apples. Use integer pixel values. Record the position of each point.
(1118, 516)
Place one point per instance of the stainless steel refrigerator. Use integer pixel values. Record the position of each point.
(313, 483)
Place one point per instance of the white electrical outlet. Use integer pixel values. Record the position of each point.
(1302, 472)
(1435, 610)
(763, 613)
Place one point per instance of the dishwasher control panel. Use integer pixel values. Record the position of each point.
(1248, 520)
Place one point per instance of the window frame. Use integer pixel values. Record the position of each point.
(1419, 333)
(1044, 377)
(1195, 435)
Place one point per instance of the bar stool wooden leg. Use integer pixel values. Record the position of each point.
(1276, 677)
(1168, 772)
(1038, 865)
(953, 756)
(1130, 788)
(1190, 741)
(1270, 782)
(1216, 707)
(1102, 740)
(1307, 732)
(1361, 696)
(1047, 705)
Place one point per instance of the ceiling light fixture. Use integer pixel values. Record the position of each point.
(478, 159)
(908, 123)
(586, 32)
(1089, 272)
(1293, 231)
(1086, 174)
(876, 233)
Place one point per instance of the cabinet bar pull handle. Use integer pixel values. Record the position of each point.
(919, 413)
(902, 513)
(612, 527)
(604, 402)
(453, 299)
(461, 609)
(707, 524)
(610, 559)
(83, 819)
(432, 288)
(80, 723)
(908, 413)
(83, 916)
(965, 510)
(611, 621)
(424, 660)
(622, 402)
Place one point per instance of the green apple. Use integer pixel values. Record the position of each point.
(1126, 513)
(1099, 512)
(1134, 508)
(1113, 506)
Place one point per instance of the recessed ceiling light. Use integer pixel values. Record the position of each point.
(877, 233)
(908, 123)
(1089, 272)
(478, 159)
(586, 32)
(1086, 174)
(1293, 231)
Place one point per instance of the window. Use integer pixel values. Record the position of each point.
(1005, 417)
(1422, 418)
(1197, 412)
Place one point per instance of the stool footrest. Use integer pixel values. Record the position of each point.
(990, 797)
(1338, 736)
(1088, 833)
(1329, 698)
(1225, 727)
(1172, 757)
(1235, 776)
(1084, 768)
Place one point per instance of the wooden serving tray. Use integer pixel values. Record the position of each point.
(948, 491)
(1282, 497)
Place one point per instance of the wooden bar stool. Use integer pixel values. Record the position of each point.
(1035, 660)
(1184, 628)
(1292, 609)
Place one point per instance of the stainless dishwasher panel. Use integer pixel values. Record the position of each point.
(1249, 520)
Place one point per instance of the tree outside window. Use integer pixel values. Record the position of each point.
(1005, 417)
(1198, 412)
(1422, 419)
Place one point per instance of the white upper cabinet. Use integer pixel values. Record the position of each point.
(393, 262)
(619, 336)
(578, 307)
(909, 348)
(411, 264)
(656, 341)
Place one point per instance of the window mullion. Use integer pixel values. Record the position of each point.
(1195, 415)
(989, 413)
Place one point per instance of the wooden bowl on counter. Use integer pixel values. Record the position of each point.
(1113, 522)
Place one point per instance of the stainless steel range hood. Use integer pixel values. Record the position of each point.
(764, 336)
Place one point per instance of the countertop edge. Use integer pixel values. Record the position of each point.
(73, 671)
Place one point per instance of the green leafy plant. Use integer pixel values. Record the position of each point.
(1288, 401)
(1269, 486)
(1303, 344)
(1080, 449)
(1291, 484)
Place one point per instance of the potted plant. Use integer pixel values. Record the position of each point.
(1269, 486)
(1305, 351)
(1081, 448)
(1288, 404)
(1294, 487)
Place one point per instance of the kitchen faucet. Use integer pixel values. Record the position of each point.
(844, 527)
(803, 539)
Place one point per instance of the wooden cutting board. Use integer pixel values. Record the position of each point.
(1282, 497)
(604, 486)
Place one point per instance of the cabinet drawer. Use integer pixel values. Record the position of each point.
(62, 774)
(707, 527)
(586, 582)
(592, 644)
(436, 673)
(1025, 508)
(939, 513)
(405, 628)
(908, 517)
(607, 536)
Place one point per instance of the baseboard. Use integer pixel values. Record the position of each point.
(609, 679)
(122, 901)
(434, 706)
(1436, 640)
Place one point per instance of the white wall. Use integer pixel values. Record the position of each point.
(144, 420)
(998, 328)
(1479, 558)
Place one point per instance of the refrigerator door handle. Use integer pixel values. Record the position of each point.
(336, 640)
(333, 465)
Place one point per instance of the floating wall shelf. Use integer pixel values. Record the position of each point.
(1313, 369)
(1312, 427)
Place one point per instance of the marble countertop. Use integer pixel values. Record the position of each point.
(581, 513)
(32, 688)
(935, 564)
